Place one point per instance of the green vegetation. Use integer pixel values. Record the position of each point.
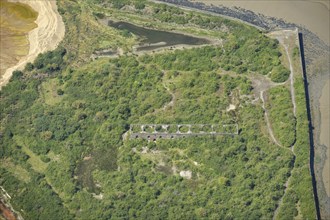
(279, 74)
(281, 115)
(63, 121)
(300, 190)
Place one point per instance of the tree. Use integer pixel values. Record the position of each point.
(60, 92)
(29, 66)
(17, 74)
(279, 74)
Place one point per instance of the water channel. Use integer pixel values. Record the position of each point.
(154, 39)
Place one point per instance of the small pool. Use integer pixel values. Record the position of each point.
(153, 39)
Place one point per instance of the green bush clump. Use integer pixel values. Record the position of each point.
(300, 191)
(279, 74)
(281, 115)
(50, 61)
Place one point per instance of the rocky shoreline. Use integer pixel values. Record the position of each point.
(314, 46)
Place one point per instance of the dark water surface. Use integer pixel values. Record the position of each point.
(161, 38)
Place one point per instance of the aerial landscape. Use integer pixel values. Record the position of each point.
(168, 109)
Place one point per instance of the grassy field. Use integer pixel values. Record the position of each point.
(35, 161)
(49, 91)
(18, 171)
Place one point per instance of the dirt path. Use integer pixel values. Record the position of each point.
(293, 98)
(262, 84)
(46, 36)
(162, 49)
(270, 130)
(286, 39)
(171, 103)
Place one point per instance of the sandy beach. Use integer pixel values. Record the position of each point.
(46, 36)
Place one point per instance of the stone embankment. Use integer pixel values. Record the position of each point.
(314, 46)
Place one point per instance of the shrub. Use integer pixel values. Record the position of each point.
(60, 92)
(29, 67)
(279, 74)
(17, 74)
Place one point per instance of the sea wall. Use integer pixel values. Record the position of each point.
(310, 126)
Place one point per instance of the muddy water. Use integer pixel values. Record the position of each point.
(324, 134)
(313, 14)
(17, 20)
(153, 39)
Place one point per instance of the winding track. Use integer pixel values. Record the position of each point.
(171, 103)
(282, 37)
(270, 130)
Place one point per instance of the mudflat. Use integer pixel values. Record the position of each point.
(314, 15)
(324, 133)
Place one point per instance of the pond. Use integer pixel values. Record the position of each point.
(153, 39)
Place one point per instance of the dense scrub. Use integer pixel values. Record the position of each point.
(63, 126)
(96, 109)
(300, 193)
(281, 115)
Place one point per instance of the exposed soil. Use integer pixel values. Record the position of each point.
(171, 103)
(6, 212)
(269, 127)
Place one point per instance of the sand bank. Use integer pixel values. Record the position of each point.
(46, 36)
